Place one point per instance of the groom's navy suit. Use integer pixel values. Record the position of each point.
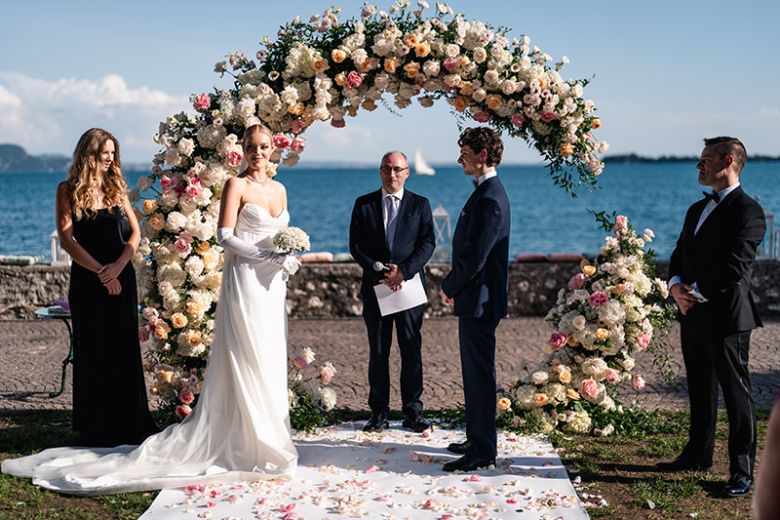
(715, 335)
(479, 283)
(412, 247)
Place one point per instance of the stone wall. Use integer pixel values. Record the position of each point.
(333, 290)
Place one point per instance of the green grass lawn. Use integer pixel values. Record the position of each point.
(616, 473)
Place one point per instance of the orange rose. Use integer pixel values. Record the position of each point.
(542, 82)
(337, 55)
(422, 50)
(320, 65)
(619, 288)
(595, 123)
(161, 330)
(589, 270)
(410, 40)
(503, 404)
(565, 376)
(296, 109)
(602, 334)
(572, 394)
(412, 68)
(149, 206)
(572, 342)
(157, 221)
(390, 65)
(566, 149)
(369, 105)
(540, 399)
(460, 103)
(340, 79)
(194, 338)
(166, 375)
(194, 308)
(493, 101)
(202, 247)
(466, 88)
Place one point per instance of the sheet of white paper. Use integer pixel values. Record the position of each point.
(411, 294)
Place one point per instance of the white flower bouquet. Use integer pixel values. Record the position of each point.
(611, 311)
(291, 240)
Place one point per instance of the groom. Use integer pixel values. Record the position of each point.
(710, 277)
(391, 236)
(478, 287)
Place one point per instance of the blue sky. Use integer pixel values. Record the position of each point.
(665, 74)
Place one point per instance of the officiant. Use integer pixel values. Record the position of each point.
(391, 236)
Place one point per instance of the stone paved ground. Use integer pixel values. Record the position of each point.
(31, 352)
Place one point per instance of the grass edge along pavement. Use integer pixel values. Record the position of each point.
(614, 476)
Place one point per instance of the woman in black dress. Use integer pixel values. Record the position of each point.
(98, 228)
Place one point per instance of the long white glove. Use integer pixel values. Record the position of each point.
(227, 239)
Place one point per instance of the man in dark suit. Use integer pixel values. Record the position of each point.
(478, 287)
(710, 275)
(391, 236)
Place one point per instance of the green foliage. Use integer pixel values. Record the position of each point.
(307, 415)
(664, 493)
(606, 221)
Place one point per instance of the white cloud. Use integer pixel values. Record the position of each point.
(49, 116)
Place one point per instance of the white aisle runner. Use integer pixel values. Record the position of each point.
(344, 473)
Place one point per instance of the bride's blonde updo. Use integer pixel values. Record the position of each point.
(84, 173)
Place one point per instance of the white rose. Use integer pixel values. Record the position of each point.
(480, 54)
(579, 322)
(175, 222)
(540, 377)
(491, 77)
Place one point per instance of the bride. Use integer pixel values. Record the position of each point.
(240, 429)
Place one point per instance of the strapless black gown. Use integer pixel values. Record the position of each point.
(109, 394)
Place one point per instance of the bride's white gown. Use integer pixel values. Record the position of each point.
(240, 428)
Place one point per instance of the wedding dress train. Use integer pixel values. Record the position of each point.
(240, 428)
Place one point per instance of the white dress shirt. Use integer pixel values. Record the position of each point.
(485, 176)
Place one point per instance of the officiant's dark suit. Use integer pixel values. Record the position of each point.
(478, 284)
(400, 235)
(715, 251)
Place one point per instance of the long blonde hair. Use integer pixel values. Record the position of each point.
(84, 172)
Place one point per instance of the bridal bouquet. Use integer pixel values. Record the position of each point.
(291, 240)
(610, 312)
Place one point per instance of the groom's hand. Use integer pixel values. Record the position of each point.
(684, 300)
(446, 300)
(394, 278)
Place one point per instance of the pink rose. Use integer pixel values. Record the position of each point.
(589, 388)
(298, 144)
(548, 116)
(202, 102)
(577, 281)
(183, 411)
(300, 363)
(281, 141)
(621, 222)
(143, 334)
(298, 126)
(482, 117)
(643, 340)
(194, 188)
(557, 340)
(183, 242)
(451, 64)
(286, 508)
(338, 123)
(186, 397)
(354, 79)
(638, 382)
(598, 298)
(518, 120)
(166, 183)
(612, 376)
(234, 159)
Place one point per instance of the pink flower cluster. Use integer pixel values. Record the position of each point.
(598, 298)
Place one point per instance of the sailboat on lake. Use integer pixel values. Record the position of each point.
(421, 166)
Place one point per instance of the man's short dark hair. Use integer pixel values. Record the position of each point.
(482, 138)
(729, 146)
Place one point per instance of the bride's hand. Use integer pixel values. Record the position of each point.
(291, 264)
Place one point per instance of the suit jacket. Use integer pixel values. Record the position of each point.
(479, 278)
(719, 258)
(413, 243)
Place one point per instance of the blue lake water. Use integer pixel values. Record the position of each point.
(544, 218)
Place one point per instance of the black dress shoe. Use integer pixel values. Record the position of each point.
(739, 485)
(461, 448)
(682, 464)
(468, 463)
(417, 424)
(376, 423)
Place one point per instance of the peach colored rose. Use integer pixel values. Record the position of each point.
(410, 40)
(566, 149)
(340, 79)
(619, 288)
(564, 376)
(157, 221)
(572, 341)
(602, 334)
(460, 103)
(202, 247)
(503, 404)
(589, 270)
(589, 388)
(161, 330)
(320, 65)
(194, 338)
(595, 123)
(149, 206)
(369, 105)
(572, 394)
(412, 69)
(166, 376)
(296, 109)
(422, 50)
(466, 88)
(540, 399)
(194, 308)
(390, 65)
(337, 55)
(493, 101)
(179, 320)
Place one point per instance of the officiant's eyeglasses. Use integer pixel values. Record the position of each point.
(394, 169)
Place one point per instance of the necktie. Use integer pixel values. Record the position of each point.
(714, 197)
(475, 183)
(392, 212)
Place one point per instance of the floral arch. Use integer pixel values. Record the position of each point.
(327, 70)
